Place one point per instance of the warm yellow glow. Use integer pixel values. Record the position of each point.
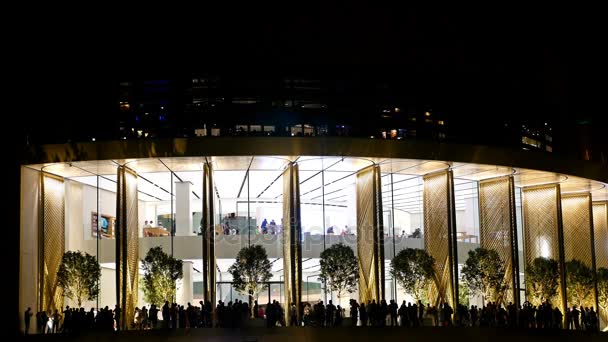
(440, 122)
(427, 113)
(393, 133)
(397, 109)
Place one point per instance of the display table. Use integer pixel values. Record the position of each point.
(155, 232)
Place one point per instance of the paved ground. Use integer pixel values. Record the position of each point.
(427, 334)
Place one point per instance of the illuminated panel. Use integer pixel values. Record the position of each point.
(52, 235)
(127, 250)
(438, 235)
(600, 237)
(370, 235)
(292, 240)
(497, 227)
(542, 225)
(208, 240)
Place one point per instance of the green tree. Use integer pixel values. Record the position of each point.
(79, 275)
(463, 293)
(484, 273)
(542, 279)
(579, 282)
(413, 269)
(161, 273)
(602, 287)
(339, 269)
(250, 272)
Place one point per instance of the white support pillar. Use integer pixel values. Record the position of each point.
(183, 214)
(185, 292)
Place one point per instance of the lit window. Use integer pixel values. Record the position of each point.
(427, 113)
(440, 122)
(384, 135)
(124, 105)
(549, 148)
(413, 119)
(393, 133)
(530, 141)
(397, 109)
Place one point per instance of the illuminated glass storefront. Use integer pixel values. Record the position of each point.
(248, 209)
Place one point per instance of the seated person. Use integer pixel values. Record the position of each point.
(330, 230)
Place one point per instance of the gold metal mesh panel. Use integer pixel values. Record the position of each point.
(600, 237)
(577, 228)
(497, 225)
(576, 218)
(208, 225)
(600, 232)
(437, 236)
(370, 235)
(292, 240)
(542, 222)
(53, 242)
(127, 244)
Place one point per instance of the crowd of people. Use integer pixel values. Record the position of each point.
(236, 314)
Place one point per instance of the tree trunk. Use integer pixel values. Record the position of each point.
(251, 316)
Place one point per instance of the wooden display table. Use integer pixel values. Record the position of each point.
(155, 232)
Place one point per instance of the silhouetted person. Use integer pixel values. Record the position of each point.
(354, 312)
(26, 319)
(575, 318)
(117, 316)
(403, 314)
(293, 316)
(392, 310)
(363, 314)
(255, 309)
(329, 315)
(165, 314)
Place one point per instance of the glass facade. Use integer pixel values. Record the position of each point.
(248, 209)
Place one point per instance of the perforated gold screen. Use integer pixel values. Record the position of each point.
(600, 232)
(370, 234)
(292, 240)
(600, 237)
(576, 217)
(438, 235)
(542, 225)
(208, 225)
(127, 249)
(52, 235)
(497, 225)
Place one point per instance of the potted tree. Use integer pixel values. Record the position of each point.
(413, 269)
(579, 282)
(484, 274)
(161, 273)
(78, 276)
(339, 269)
(542, 279)
(602, 291)
(250, 272)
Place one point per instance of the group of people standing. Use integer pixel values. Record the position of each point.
(236, 314)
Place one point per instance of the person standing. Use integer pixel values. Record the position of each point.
(26, 319)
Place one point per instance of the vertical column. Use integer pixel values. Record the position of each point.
(440, 236)
(29, 248)
(292, 240)
(543, 235)
(51, 241)
(370, 235)
(127, 250)
(498, 229)
(600, 241)
(578, 242)
(208, 226)
(183, 214)
(185, 293)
